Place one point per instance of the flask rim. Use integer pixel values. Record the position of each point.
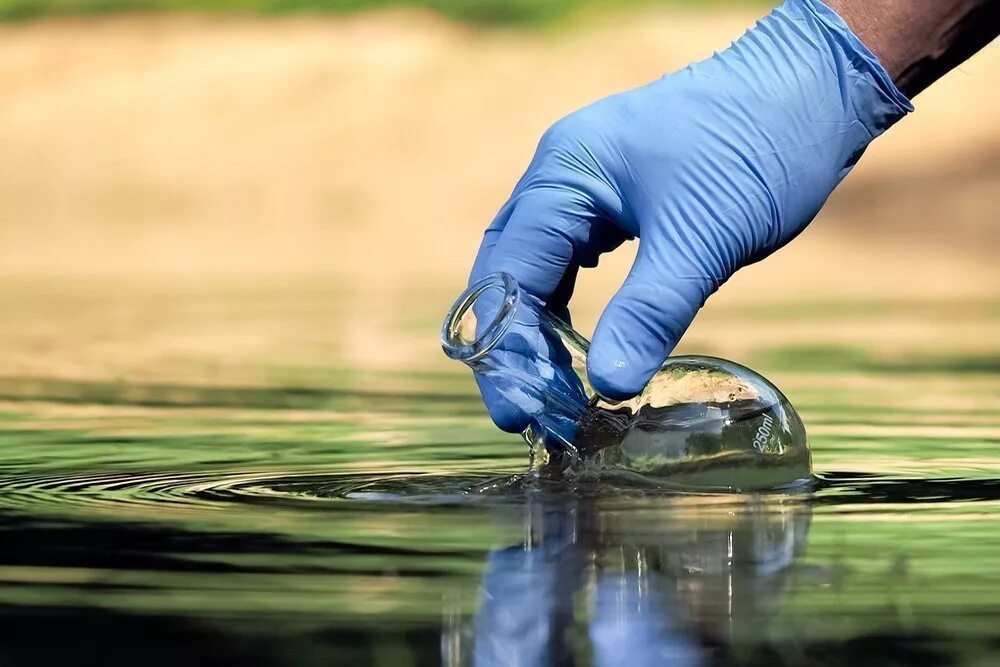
(451, 341)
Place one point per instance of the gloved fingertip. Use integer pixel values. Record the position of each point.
(507, 416)
(639, 328)
(616, 376)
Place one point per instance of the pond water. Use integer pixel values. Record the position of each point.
(253, 475)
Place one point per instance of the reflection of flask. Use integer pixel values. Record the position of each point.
(700, 422)
(688, 580)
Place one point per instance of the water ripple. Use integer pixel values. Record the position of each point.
(214, 490)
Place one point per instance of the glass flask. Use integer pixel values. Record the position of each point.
(700, 422)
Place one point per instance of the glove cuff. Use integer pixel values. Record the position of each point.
(877, 102)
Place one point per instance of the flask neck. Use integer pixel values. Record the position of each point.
(530, 357)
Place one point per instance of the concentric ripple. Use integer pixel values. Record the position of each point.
(216, 490)
(304, 489)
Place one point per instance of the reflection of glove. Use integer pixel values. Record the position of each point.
(528, 598)
(714, 167)
(632, 628)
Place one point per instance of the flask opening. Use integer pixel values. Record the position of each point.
(480, 317)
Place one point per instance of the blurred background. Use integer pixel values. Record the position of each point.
(253, 191)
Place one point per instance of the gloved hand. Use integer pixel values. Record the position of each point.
(713, 167)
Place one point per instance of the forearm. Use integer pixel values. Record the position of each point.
(919, 41)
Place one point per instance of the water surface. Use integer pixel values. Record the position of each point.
(241, 475)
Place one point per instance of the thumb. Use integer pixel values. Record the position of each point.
(644, 321)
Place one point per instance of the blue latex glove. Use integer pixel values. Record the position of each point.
(713, 167)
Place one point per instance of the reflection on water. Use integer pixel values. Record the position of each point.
(496, 569)
(675, 584)
(257, 497)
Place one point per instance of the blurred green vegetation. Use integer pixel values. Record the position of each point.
(486, 12)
